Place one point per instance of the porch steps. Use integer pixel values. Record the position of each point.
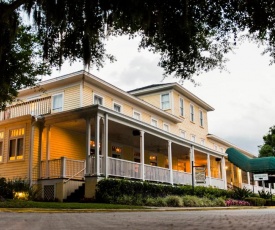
(77, 195)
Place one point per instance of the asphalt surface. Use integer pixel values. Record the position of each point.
(156, 219)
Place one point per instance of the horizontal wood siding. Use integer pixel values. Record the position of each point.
(72, 97)
(36, 154)
(87, 96)
(67, 143)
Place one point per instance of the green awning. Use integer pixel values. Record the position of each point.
(253, 165)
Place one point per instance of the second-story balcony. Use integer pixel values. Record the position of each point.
(35, 107)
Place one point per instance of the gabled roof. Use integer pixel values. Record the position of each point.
(161, 87)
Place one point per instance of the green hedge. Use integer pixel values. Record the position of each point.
(111, 190)
(256, 201)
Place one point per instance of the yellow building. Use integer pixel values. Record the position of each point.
(77, 129)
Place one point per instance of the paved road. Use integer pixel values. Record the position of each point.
(184, 220)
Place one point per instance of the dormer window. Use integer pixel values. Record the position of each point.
(165, 101)
(98, 100)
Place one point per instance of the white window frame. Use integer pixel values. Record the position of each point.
(181, 105)
(201, 118)
(193, 138)
(58, 109)
(192, 113)
(166, 125)
(165, 105)
(16, 139)
(153, 120)
(136, 112)
(119, 105)
(202, 142)
(99, 96)
(221, 149)
(215, 147)
(182, 134)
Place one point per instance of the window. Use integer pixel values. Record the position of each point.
(201, 118)
(166, 127)
(117, 107)
(16, 144)
(98, 100)
(57, 102)
(192, 115)
(154, 122)
(202, 142)
(1, 145)
(137, 115)
(181, 107)
(181, 165)
(165, 101)
(221, 149)
(182, 134)
(193, 138)
(216, 147)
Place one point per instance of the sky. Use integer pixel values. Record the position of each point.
(243, 96)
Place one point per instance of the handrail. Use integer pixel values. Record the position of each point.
(74, 175)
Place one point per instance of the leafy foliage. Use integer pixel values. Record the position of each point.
(268, 148)
(265, 194)
(191, 36)
(241, 193)
(256, 201)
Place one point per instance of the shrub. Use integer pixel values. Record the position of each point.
(173, 201)
(219, 202)
(264, 194)
(241, 193)
(232, 202)
(190, 201)
(256, 201)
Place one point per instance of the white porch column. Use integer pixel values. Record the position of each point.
(105, 145)
(97, 143)
(248, 178)
(88, 139)
(192, 163)
(142, 155)
(170, 161)
(48, 151)
(224, 173)
(209, 169)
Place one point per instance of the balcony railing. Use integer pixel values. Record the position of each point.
(35, 107)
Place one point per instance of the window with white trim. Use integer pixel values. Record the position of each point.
(215, 147)
(154, 122)
(165, 101)
(201, 118)
(182, 134)
(221, 149)
(137, 115)
(202, 142)
(98, 100)
(16, 144)
(117, 107)
(193, 138)
(1, 145)
(181, 107)
(192, 114)
(166, 127)
(57, 102)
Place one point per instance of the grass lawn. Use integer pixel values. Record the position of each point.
(59, 205)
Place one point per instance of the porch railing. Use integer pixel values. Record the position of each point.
(35, 107)
(182, 177)
(63, 168)
(154, 173)
(123, 168)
